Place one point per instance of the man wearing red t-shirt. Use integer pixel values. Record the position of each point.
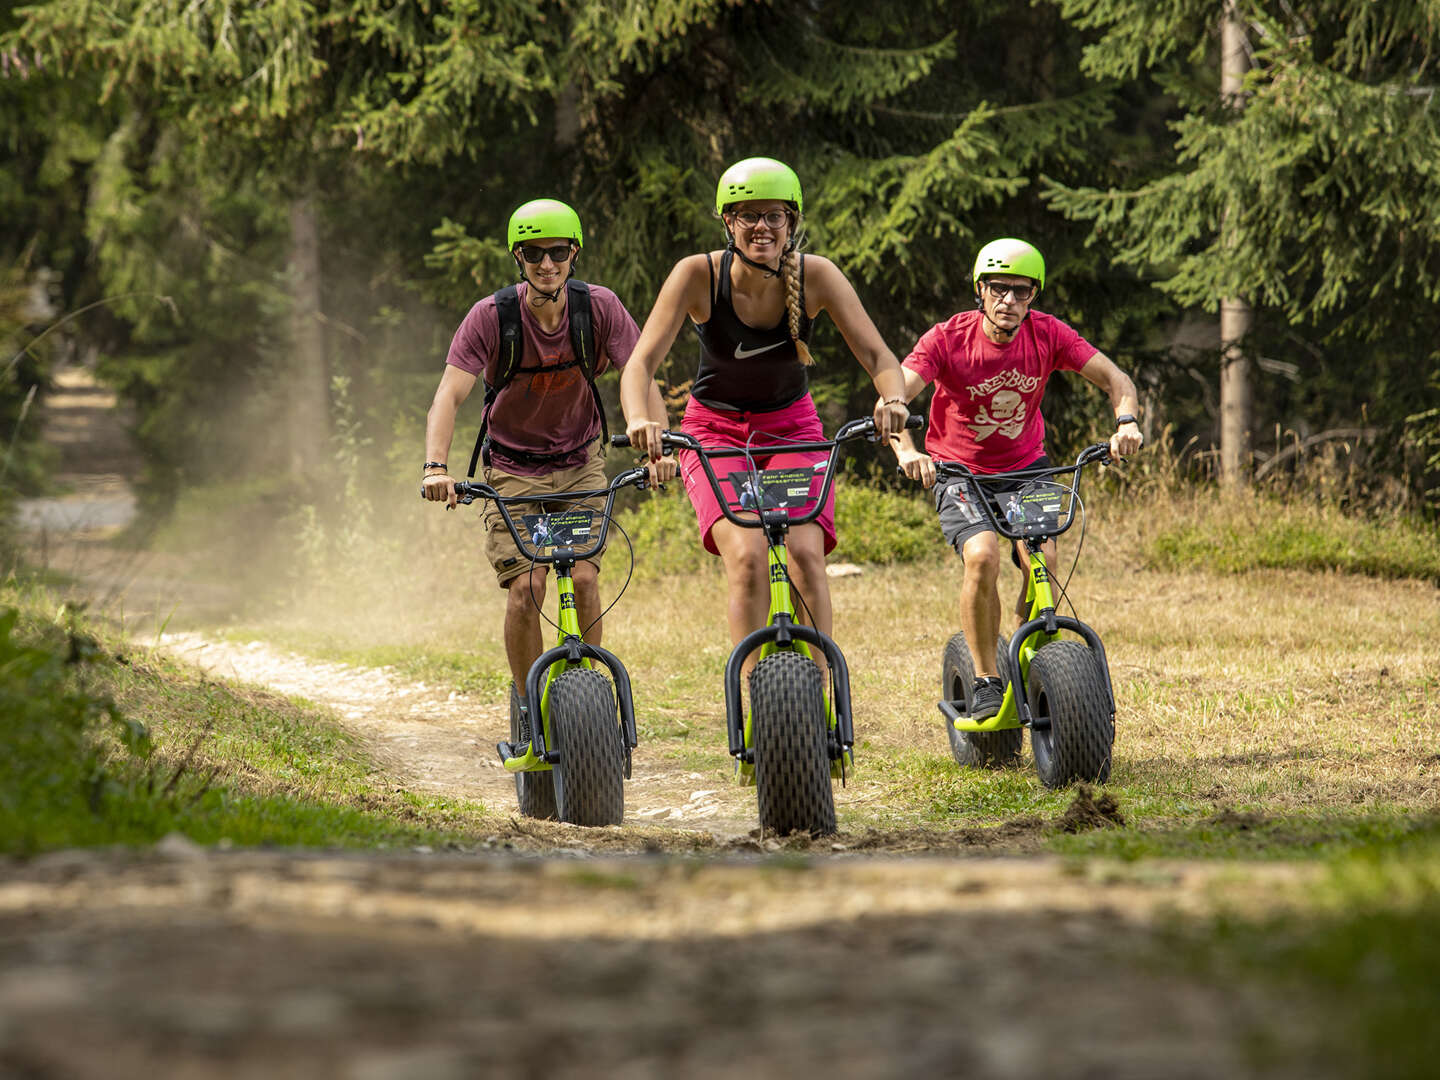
(989, 367)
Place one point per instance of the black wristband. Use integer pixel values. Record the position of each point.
(437, 465)
(1125, 418)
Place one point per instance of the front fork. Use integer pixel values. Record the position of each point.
(783, 632)
(1043, 627)
(570, 650)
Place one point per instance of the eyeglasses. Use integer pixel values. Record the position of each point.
(558, 253)
(773, 219)
(998, 289)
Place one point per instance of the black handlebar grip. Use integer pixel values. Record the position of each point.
(914, 421)
(620, 440)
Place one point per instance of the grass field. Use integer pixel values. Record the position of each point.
(1243, 697)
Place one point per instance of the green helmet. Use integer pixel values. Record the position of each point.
(1010, 256)
(758, 178)
(544, 217)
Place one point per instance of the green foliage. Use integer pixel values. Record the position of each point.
(50, 132)
(164, 230)
(77, 768)
(662, 530)
(873, 524)
(1312, 197)
(328, 553)
(56, 782)
(918, 129)
(21, 378)
(1269, 533)
(459, 111)
(1424, 433)
(1323, 182)
(987, 159)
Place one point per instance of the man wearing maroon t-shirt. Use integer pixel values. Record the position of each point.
(542, 426)
(989, 367)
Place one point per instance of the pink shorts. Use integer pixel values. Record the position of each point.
(759, 430)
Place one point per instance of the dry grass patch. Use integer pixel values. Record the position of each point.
(1279, 691)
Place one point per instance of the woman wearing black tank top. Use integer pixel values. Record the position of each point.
(752, 305)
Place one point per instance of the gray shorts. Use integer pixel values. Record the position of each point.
(961, 515)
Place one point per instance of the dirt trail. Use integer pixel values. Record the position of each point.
(438, 741)
(72, 531)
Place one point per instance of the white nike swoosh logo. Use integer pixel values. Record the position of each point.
(741, 352)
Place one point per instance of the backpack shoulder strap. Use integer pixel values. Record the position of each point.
(582, 325)
(512, 347)
(507, 307)
(582, 340)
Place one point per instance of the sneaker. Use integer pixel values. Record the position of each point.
(986, 697)
(520, 746)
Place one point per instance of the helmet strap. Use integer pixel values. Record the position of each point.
(1008, 335)
(546, 297)
(764, 269)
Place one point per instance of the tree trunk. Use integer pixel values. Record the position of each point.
(1235, 394)
(308, 378)
(1235, 315)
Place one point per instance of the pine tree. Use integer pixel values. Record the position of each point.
(1318, 202)
(915, 145)
(918, 130)
(52, 131)
(270, 93)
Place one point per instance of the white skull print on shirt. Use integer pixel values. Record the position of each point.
(1006, 411)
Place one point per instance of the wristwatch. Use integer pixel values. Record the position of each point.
(1125, 418)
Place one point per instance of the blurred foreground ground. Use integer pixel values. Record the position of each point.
(192, 963)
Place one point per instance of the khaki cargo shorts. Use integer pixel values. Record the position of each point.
(507, 559)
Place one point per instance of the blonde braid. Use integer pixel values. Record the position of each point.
(790, 267)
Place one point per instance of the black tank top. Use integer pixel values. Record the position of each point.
(743, 369)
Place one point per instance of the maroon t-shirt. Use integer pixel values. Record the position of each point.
(986, 410)
(545, 411)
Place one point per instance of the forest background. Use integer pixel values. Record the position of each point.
(261, 223)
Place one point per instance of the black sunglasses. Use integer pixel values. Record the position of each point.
(998, 289)
(558, 253)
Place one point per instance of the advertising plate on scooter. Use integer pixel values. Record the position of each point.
(771, 489)
(1036, 509)
(565, 528)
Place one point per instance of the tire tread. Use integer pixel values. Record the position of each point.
(976, 749)
(1066, 682)
(534, 791)
(792, 763)
(590, 775)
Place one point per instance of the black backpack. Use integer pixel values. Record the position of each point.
(512, 345)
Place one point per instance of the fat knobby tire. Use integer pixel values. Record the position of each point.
(535, 791)
(1068, 686)
(590, 775)
(976, 749)
(792, 764)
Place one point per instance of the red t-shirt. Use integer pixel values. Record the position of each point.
(986, 410)
(543, 412)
